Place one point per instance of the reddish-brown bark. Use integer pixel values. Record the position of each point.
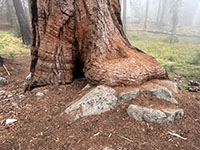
(85, 34)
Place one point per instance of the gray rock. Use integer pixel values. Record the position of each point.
(154, 115)
(162, 93)
(171, 84)
(172, 115)
(147, 114)
(136, 112)
(3, 81)
(96, 101)
(177, 113)
(39, 94)
(169, 120)
(166, 116)
(128, 95)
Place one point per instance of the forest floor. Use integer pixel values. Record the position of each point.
(42, 125)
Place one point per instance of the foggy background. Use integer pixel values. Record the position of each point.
(175, 16)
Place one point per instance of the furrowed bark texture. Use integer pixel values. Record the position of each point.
(69, 35)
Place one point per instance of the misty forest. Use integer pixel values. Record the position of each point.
(99, 74)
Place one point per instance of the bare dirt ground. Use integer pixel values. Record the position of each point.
(42, 125)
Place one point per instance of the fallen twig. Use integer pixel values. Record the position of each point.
(5, 68)
(110, 135)
(125, 138)
(97, 134)
(174, 134)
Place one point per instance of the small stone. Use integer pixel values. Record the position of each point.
(128, 95)
(194, 83)
(195, 89)
(28, 78)
(14, 104)
(162, 93)
(2, 92)
(10, 95)
(10, 121)
(46, 91)
(39, 94)
(21, 96)
(3, 81)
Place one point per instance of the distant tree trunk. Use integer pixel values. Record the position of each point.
(174, 20)
(146, 14)
(29, 9)
(164, 2)
(9, 13)
(85, 36)
(124, 15)
(23, 22)
(26, 6)
(158, 13)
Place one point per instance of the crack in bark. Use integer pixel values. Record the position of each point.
(35, 40)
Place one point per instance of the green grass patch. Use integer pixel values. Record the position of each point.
(181, 58)
(9, 44)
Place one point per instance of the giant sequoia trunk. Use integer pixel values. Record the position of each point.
(85, 35)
